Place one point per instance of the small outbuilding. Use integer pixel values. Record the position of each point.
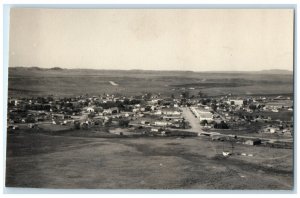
(253, 142)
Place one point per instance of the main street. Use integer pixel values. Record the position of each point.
(194, 122)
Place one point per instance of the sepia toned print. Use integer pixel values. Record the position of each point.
(151, 99)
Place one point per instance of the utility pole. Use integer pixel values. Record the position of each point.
(232, 146)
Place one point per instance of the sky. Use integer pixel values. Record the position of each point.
(152, 39)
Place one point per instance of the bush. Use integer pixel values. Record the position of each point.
(221, 125)
(91, 115)
(203, 122)
(77, 125)
(123, 123)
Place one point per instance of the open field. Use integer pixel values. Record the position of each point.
(39, 160)
(40, 82)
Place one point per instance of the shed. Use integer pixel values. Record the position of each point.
(253, 142)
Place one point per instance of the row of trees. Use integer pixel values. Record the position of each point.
(123, 123)
(221, 125)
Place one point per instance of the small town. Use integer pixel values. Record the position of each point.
(248, 120)
(198, 97)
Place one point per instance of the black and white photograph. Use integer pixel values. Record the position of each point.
(180, 99)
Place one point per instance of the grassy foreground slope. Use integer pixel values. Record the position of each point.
(44, 161)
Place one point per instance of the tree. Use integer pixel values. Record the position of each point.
(126, 101)
(123, 123)
(185, 94)
(84, 125)
(108, 122)
(148, 108)
(214, 106)
(221, 125)
(200, 94)
(98, 122)
(147, 96)
(30, 119)
(91, 115)
(120, 106)
(203, 122)
(252, 107)
(77, 125)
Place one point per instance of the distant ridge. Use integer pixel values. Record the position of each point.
(270, 71)
(37, 68)
(276, 71)
(56, 68)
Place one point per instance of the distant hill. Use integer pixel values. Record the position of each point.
(276, 71)
(56, 68)
(35, 68)
(141, 71)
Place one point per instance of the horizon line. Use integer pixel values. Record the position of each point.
(62, 68)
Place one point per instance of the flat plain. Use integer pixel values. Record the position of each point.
(64, 82)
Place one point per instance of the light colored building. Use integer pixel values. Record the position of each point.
(158, 112)
(90, 109)
(205, 116)
(236, 102)
(162, 123)
(202, 114)
(270, 130)
(171, 112)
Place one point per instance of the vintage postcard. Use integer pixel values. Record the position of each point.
(151, 99)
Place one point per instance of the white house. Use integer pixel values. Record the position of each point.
(236, 102)
(158, 112)
(161, 123)
(90, 109)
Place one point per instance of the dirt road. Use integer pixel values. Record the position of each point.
(194, 122)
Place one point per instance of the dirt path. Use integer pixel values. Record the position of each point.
(194, 122)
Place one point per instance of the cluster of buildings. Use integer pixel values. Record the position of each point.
(272, 114)
(152, 111)
(88, 112)
(161, 118)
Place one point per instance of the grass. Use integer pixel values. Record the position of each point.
(45, 161)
